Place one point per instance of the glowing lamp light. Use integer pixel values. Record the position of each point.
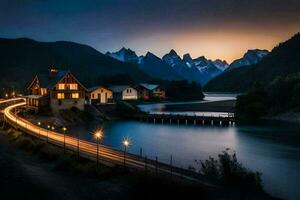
(99, 134)
(126, 142)
(64, 129)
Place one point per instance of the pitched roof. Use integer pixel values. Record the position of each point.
(49, 82)
(97, 87)
(119, 88)
(149, 86)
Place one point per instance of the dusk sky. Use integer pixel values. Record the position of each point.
(222, 29)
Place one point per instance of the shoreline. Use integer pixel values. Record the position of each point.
(290, 117)
(215, 106)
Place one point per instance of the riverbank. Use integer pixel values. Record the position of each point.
(292, 117)
(62, 176)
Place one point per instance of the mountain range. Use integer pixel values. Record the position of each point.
(283, 60)
(172, 67)
(21, 59)
(251, 57)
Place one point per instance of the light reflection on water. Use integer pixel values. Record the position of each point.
(273, 150)
(161, 108)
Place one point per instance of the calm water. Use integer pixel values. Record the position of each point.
(272, 149)
(161, 108)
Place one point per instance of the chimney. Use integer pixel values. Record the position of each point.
(52, 72)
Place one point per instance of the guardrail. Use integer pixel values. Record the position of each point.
(107, 155)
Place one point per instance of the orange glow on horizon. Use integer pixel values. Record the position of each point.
(225, 44)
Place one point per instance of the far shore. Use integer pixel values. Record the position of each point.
(291, 117)
(216, 106)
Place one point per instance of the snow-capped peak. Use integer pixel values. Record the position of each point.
(124, 55)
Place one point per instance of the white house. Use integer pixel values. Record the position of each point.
(100, 95)
(124, 92)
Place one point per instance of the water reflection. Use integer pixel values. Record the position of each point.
(274, 151)
(271, 148)
(162, 108)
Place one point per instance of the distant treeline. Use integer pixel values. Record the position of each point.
(175, 90)
(279, 96)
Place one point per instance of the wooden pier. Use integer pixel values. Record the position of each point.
(169, 118)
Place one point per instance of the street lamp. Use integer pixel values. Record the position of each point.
(48, 127)
(98, 135)
(16, 117)
(126, 144)
(64, 130)
(52, 128)
(78, 145)
(39, 123)
(6, 95)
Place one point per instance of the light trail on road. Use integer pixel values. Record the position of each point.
(71, 142)
(89, 149)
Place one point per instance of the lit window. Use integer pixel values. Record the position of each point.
(43, 91)
(73, 86)
(75, 95)
(61, 86)
(60, 95)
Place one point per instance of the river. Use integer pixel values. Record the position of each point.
(271, 148)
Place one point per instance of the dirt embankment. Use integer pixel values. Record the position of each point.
(24, 176)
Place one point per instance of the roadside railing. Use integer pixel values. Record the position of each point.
(107, 155)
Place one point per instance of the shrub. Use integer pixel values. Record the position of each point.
(76, 116)
(227, 170)
(15, 134)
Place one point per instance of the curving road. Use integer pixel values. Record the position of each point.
(88, 149)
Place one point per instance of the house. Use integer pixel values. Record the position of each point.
(143, 92)
(124, 92)
(100, 95)
(147, 91)
(57, 90)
